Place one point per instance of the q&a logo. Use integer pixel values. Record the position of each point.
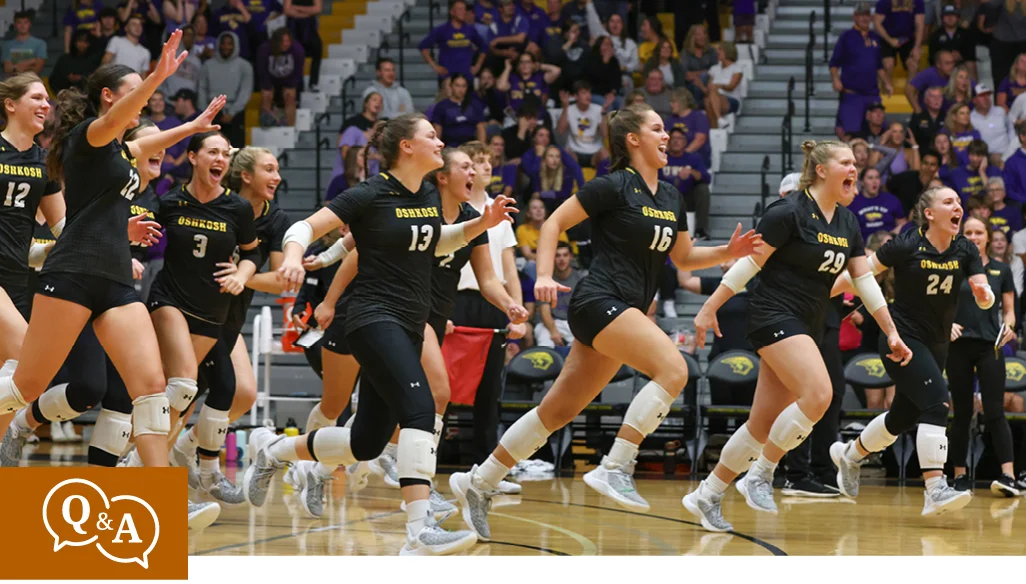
(124, 528)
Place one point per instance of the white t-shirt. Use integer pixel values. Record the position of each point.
(994, 128)
(583, 136)
(134, 56)
(723, 77)
(499, 238)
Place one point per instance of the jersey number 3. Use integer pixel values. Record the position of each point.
(17, 200)
(833, 262)
(934, 283)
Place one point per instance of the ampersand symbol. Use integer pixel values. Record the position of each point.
(103, 524)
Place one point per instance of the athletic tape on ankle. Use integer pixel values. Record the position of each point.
(10, 398)
(790, 428)
(648, 409)
(416, 457)
(211, 429)
(332, 446)
(740, 451)
(875, 437)
(931, 446)
(112, 432)
(525, 436)
(180, 392)
(54, 406)
(151, 414)
(317, 420)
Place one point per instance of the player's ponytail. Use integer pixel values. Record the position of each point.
(73, 107)
(14, 88)
(621, 123)
(816, 153)
(925, 202)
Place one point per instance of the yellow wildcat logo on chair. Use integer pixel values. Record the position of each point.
(873, 366)
(740, 365)
(540, 360)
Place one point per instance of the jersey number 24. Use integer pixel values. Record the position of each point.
(934, 283)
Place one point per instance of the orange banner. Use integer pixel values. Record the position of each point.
(92, 523)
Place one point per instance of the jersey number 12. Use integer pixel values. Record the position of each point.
(17, 200)
(934, 282)
(833, 262)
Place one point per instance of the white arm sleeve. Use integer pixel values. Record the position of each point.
(37, 254)
(870, 293)
(58, 228)
(301, 233)
(452, 239)
(876, 267)
(739, 274)
(985, 305)
(336, 253)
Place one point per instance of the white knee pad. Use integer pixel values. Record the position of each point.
(876, 438)
(53, 404)
(740, 451)
(211, 429)
(332, 446)
(151, 414)
(180, 392)
(417, 457)
(8, 368)
(648, 409)
(525, 436)
(317, 420)
(790, 428)
(10, 398)
(932, 447)
(111, 432)
(439, 426)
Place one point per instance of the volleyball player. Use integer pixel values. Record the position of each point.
(810, 237)
(637, 222)
(930, 264)
(395, 220)
(977, 337)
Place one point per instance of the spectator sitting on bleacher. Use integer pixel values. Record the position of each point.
(206, 45)
(744, 20)
(876, 210)
(908, 185)
(1001, 250)
(504, 173)
(1014, 85)
(184, 103)
(992, 123)
(1015, 167)
(857, 72)
(893, 155)
(354, 137)
(279, 65)
(662, 58)
(1007, 216)
(489, 98)
(698, 57)
(460, 48)
(458, 119)
(582, 123)
(928, 122)
(604, 72)
(555, 181)
(396, 99)
(81, 15)
(547, 34)
(624, 47)
(486, 11)
(724, 89)
(177, 13)
(958, 127)
(107, 29)
(154, 29)
(531, 159)
(656, 93)
(518, 137)
(575, 56)
(24, 52)
(687, 172)
(508, 35)
(959, 88)
(302, 20)
(174, 156)
(979, 208)
(860, 149)
(575, 12)
(353, 173)
(971, 179)
(72, 69)
(233, 17)
(936, 76)
(873, 128)
(961, 42)
(528, 233)
(368, 114)
(188, 73)
(902, 25)
(261, 11)
(128, 50)
(231, 75)
(948, 160)
(651, 33)
(686, 117)
(554, 329)
(532, 12)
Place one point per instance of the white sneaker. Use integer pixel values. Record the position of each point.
(180, 458)
(201, 515)
(69, 432)
(510, 488)
(257, 480)
(669, 310)
(357, 477)
(385, 467)
(219, 487)
(432, 540)
(57, 432)
(758, 492)
(707, 509)
(617, 483)
(944, 499)
(475, 499)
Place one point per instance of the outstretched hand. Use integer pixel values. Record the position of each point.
(205, 121)
(547, 290)
(746, 244)
(143, 231)
(499, 210)
(169, 58)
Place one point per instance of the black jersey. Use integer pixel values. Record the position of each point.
(146, 203)
(396, 232)
(445, 277)
(976, 322)
(199, 236)
(100, 184)
(795, 281)
(633, 231)
(23, 183)
(926, 283)
(271, 225)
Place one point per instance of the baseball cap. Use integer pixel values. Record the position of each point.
(862, 8)
(790, 183)
(875, 106)
(949, 9)
(982, 88)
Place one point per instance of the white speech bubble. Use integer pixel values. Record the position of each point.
(144, 559)
(57, 543)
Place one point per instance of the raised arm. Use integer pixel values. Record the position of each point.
(149, 145)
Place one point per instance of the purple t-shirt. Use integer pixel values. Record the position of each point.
(531, 163)
(744, 6)
(968, 182)
(459, 124)
(693, 124)
(277, 71)
(260, 10)
(602, 168)
(674, 164)
(899, 17)
(518, 88)
(545, 28)
(457, 47)
(926, 79)
(879, 213)
(505, 177)
(518, 24)
(228, 19)
(552, 199)
(85, 17)
(960, 144)
(1007, 219)
(480, 10)
(176, 150)
(859, 59)
(1010, 88)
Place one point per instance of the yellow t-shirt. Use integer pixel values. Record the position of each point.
(645, 50)
(527, 236)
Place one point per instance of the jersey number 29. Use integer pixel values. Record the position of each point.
(17, 200)
(833, 262)
(934, 282)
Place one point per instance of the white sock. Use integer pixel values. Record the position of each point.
(714, 485)
(324, 470)
(21, 421)
(492, 472)
(284, 450)
(187, 441)
(392, 450)
(932, 484)
(763, 467)
(416, 515)
(623, 452)
(208, 466)
(134, 460)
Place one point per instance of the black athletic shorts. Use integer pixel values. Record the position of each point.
(588, 319)
(903, 51)
(96, 293)
(334, 338)
(197, 326)
(437, 323)
(922, 380)
(767, 335)
(21, 298)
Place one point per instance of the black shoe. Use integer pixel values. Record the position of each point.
(829, 482)
(962, 483)
(1005, 486)
(808, 487)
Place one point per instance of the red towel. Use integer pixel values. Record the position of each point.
(465, 351)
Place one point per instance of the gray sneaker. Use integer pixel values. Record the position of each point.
(312, 493)
(385, 467)
(758, 492)
(258, 476)
(475, 499)
(441, 509)
(707, 509)
(617, 483)
(222, 489)
(944, 499)
(202, 514)
(356, 477)
(11, 447)
(432, 540)
(847, 470)
(180, 458)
